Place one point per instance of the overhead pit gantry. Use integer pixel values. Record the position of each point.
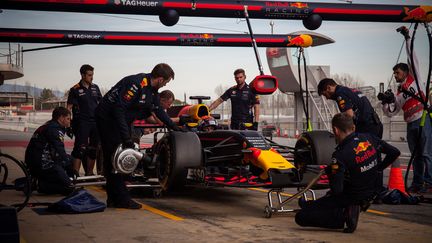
(169, 11)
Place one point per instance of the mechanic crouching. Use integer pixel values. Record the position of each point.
(46, 156)
(354, 178)
(133, 97)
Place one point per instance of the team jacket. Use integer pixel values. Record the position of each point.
(46, 147)
(84, 101)
(132, 98)
(242, 100)
(357, 161)
(347, 98)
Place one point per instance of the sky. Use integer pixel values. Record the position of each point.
(364, 50)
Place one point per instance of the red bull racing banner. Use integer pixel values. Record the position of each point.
(234, 9)
(154, 38)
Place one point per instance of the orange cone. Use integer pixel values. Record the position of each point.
(396, 179)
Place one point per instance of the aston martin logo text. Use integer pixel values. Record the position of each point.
(83, 36)
(139, 3)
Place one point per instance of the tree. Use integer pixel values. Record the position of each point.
(347, 80)
(45, 95)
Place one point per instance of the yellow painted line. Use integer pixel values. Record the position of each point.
(161, 213)
(147, 207)
(286, 194)
(377, 212)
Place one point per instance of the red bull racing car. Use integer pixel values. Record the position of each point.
(219, 157)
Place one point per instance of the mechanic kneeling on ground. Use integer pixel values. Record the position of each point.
(46, 156)
(353, 176)
(133, 97)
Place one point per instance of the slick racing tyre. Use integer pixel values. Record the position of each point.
(177, 151)
(314, 148)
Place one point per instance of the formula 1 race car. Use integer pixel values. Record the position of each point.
(219, 157)
(235, 158)
(241, 158)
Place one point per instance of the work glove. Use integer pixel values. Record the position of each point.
(128, 144)
(179, 129)
(331, 169)
(69, 132)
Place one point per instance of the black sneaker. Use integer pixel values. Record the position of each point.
(364, 206)
(351, 215)
(128, 204)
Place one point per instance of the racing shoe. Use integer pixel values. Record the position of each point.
(351, 215)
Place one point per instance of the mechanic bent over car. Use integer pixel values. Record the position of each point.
(46, 157)
(353, 175)
(133, 97)
(355, 104)
(242, 101)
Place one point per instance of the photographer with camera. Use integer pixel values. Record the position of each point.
(405, 99)
(410, 99)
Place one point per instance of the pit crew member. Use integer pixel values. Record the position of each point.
(353, 176)
(82, 101)
(355, 104)
(46, 156)
(242, 101)
(133, 97)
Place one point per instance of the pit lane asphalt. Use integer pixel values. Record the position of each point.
(200, 214)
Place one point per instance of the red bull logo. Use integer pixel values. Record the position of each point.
(299, 5)
(422, 13)
(362, 146)
(301, 40)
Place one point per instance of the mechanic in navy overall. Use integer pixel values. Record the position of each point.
(133, 97)
(353, 175)
(83, 99)
(242, 101)
(355, 104)
(46, 157)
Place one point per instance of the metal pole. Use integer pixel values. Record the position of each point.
(277, 107)
(273, 111)
(253, 40)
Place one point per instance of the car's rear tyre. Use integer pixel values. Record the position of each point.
(314, 148)
(177, 151)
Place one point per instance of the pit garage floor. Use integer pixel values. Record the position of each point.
(200, 214)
